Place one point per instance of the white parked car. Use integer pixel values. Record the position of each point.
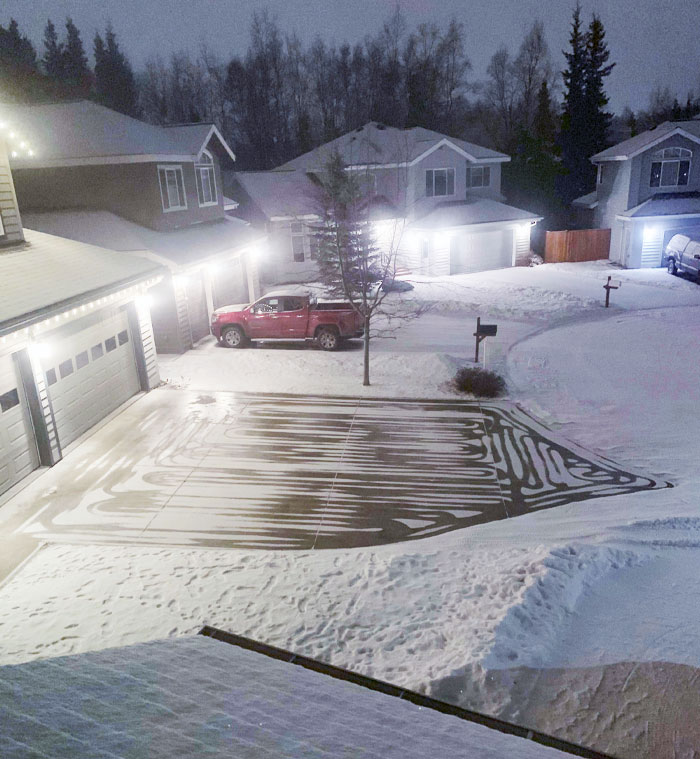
(683, 256)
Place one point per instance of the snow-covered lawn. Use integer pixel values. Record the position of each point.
(571, 594)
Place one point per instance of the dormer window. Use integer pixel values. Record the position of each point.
(206, 180)
(670, 167)
(439, 182)
(172, 188)
(478, 176)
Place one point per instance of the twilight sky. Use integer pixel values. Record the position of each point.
(652, 41)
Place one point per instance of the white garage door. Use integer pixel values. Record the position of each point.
(481, 251)
(18, 454)
(90, 372)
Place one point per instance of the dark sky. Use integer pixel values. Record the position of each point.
(654, 42)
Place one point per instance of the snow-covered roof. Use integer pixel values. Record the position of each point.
(472, 211)
(196, 696)
(375, 145)
(641, 142)
(666, 204)
(83, 132)
(590, 200)
(47, 272)
(182, 247)
(275, 194)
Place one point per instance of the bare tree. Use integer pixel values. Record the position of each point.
(353, 263)
(501, 95)
(531, 68)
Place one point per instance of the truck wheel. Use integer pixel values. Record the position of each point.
(328, 339)
(233, 337)
(671, 266)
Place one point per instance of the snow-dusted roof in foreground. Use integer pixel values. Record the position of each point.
(83, 132)
(472, 211)
(380, 145)
(48, 272)
(275, 194)
(194, 697)
(179, 248)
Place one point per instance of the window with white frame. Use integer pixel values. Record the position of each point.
(439, 182)
(670, 167)
(172, 188)
(298, 241)
(206, 180)
(478, 176)
(599, 178)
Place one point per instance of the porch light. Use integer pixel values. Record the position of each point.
(651, 233)
(40, 350)
(180, 280)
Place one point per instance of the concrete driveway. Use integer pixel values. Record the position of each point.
(178, 467)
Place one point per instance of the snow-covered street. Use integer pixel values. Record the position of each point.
(597, 598)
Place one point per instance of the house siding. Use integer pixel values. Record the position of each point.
(641, 170)
(9, 210)
(130, 190)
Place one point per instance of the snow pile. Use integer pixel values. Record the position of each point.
(531, 629)
(409, 618)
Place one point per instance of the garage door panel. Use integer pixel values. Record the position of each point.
(18, 453)
(481, 251)
(103, 374)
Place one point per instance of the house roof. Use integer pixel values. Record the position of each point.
(195, 696)
(590, 200)
(82, 132)
(377, 145)
(47, 273)
(641, 142)
(265, 195)
(472, 211)
(666, 204)
(180, 248)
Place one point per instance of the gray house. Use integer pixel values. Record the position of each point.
(103, 178)
(75, 337)
(647, 190)
(444, 194)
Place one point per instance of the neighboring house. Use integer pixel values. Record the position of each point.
(189, 697)
(647, 190)
(446, 193)
(103, 178)
(75, 338)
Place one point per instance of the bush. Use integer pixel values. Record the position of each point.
(480, 382)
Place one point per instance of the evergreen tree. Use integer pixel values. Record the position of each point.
(597, 68)
(53, 52)
(75, 71)
(575, 117)
(114, 78)
(15, 49)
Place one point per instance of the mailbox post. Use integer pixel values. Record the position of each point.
(482, 332)
(610, 285)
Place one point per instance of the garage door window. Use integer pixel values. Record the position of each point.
(97, 351)
(111, 344)
(123, 337)
(439, 182)
(9, 400)
(51, 378)
(66, 368)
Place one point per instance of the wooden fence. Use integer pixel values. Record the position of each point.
(577, 245)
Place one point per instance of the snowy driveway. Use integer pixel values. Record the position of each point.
(270, 471)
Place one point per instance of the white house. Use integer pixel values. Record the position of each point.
(444, 192)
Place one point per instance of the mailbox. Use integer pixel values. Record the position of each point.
(483, 331)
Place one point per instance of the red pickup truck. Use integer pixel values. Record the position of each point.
(286, 317)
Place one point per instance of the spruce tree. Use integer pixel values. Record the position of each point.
(76, 72)
(15, 49)
(575, 117)
(597, 68)
(115, 86)
(53, 52)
